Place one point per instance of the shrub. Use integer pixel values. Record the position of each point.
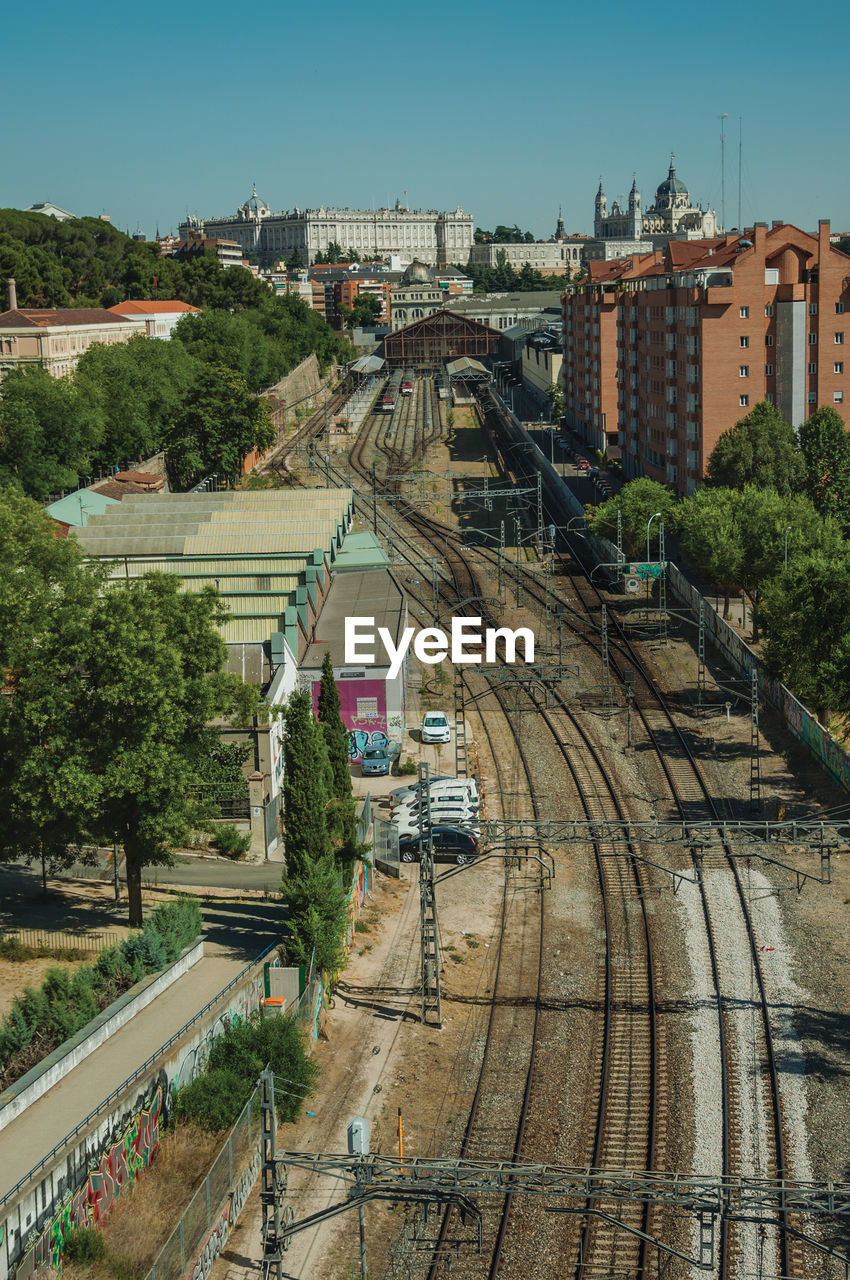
(231, 842)
(214, 1099)
(43, 1018)
(84, 1244)
(245, 1050)
(408, 767)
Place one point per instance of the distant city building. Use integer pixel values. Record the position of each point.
(435, 237)
(550, 257)
(624, 231)
(51, 211)
(55, 339)
(663, 352)
(229, 252)
(159, 317)
(503, 310)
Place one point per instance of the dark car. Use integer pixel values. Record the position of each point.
(451, 844)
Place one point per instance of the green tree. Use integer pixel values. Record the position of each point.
(825, 445)
(49, 432)
(555, 401)
(109, 716)
(638, 501)
(341, 815)
(807, 616)
(137, 389)
(219, 426)
(316, 915)
(760, 449)
(711, 541)
(305, 798)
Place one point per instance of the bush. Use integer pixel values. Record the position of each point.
(84, 1244)
(43, 1018)
(231, 842)
(245, 1050)
(213, 1100)
(407, 768)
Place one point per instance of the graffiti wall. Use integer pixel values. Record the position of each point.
(124, 1160)
(88, 1176)
(363, 706)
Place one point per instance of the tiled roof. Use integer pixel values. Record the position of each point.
(138, 308)
(43, 318)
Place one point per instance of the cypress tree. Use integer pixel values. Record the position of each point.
(342, 820)
(334, 731)
(304, 792)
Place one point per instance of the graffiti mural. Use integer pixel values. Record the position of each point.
(217, 1238)
(121, 1163)
(360, 739)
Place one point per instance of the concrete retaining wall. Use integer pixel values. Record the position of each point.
(24, 1092)
(80, 1182)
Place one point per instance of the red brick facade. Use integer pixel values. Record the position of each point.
(666, 351)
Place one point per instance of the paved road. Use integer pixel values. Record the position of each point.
(47, 1121)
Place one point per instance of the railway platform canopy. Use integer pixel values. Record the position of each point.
(439, 339)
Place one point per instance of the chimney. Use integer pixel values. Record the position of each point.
(13, 295)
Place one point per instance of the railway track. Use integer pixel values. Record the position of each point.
(690, 796)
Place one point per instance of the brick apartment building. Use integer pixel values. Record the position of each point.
(663, 352)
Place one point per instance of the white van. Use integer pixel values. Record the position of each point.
(439, 811)
(466, 787)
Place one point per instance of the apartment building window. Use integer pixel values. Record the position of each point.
(813, 338)
(813, 308)
(743, 401)
(839, 308)
(768, 339)
(743, 371)
(839, 339)
(744, 313)
(812, 367)
(813, 397)
(768, 311)
(838, 367)
(768, 370)
(838, 397)
(743, 341)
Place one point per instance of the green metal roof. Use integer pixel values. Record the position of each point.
(78, 508)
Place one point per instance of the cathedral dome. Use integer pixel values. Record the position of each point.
(417, 273)
(672, 186)
(254, 207)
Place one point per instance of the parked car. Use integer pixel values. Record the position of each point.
(406, 793)
(447, 818)
(375, 762)
(435, 727)
(582, 464)
(449, 799)
(451, 844)
(467, 787)
(458, 815)
(565, 444)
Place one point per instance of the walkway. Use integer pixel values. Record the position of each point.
(47, 1121)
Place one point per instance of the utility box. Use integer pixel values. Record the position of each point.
(358, 1136)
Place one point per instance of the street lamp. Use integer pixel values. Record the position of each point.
(787, 531)
(657, 516)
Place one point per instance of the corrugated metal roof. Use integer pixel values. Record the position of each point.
(80, 507)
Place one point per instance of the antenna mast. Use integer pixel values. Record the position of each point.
(740, 149)
(721, 118)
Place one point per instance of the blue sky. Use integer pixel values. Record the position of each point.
(508, 110)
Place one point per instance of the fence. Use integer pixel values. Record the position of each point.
(44, 940)
(202, 1231)
(385, 845)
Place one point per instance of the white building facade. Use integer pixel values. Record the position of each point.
(438, 238)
